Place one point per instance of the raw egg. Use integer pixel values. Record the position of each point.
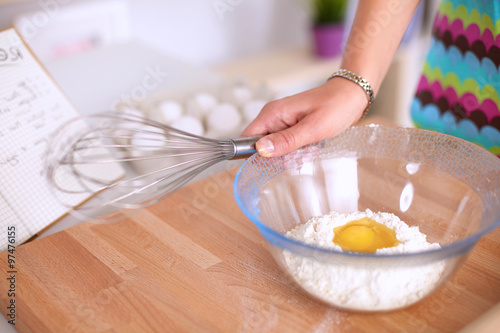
(364, 235)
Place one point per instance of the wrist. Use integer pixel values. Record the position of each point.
(368, 72)
(361, 82)
(348, 97)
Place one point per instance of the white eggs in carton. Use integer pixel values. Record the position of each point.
(148, 141)
(201, 104)
(189, 124)
(240, 95)
(168, 111)
(219, 110)
(224, 120)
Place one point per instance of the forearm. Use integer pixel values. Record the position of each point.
(376, 33)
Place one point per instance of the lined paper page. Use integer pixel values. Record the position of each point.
(32, 107)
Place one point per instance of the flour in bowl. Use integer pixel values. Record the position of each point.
(354, 286)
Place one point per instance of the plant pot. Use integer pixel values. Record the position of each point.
(328, 39)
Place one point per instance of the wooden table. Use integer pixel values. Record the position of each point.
(195, 263)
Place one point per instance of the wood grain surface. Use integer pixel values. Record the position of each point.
(195, 263)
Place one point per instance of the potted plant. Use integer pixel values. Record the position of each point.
(328, 26)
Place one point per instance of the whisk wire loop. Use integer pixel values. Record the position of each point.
(86, 147)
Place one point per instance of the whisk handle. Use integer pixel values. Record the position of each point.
(244, 147)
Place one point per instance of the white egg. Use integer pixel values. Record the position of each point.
(125, 128)
(223, 120)
(145, 143)
(148, 139)
(169, 111)
(252, 109)
(241, 95)
(201, 104)
(206, 101)
(189, 124)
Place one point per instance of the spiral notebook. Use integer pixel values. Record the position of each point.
(32, 107)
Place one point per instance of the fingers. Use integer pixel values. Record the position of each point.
(287, 140)
(308, 117)
(272, 118)
(277, 144)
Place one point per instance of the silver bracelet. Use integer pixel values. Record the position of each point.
(361, 82)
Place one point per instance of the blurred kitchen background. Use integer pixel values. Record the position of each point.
(112, 54)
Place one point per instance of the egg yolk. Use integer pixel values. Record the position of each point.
(364, 235)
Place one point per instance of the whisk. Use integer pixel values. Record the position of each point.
(85, 160)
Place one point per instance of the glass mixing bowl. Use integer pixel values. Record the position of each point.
(446, 186)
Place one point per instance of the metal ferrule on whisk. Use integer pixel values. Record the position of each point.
(243, 147)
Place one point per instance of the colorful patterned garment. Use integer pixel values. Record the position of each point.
(459, 91)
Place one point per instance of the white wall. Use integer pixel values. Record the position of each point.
(199, 32)
(194, 30)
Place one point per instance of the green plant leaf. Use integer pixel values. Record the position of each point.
(329, 11)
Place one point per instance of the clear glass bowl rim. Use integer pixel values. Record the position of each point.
(458, 247)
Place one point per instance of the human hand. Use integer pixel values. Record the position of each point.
(307, 117)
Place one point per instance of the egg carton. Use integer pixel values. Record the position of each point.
(220, 109)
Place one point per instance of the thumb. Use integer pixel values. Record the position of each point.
(280, 143)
